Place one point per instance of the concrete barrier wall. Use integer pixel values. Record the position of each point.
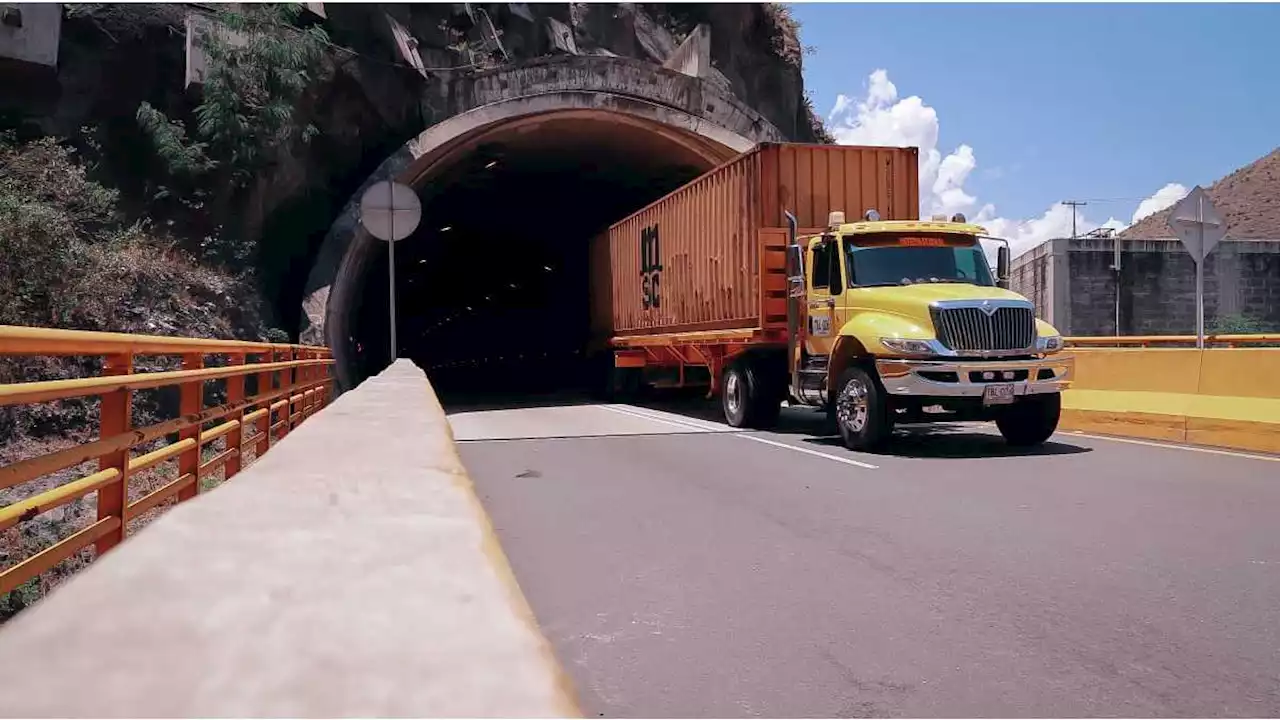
(1227, 397)
(349, 572)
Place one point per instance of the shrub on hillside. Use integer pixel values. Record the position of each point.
(69, 259)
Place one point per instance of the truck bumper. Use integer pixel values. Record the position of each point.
(970, 378)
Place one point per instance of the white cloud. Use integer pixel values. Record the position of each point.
(1164, 197)
(881, 117)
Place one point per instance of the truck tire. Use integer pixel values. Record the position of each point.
(747, 397)
(1031, 420)
(860, 412)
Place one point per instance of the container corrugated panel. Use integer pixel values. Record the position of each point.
(711, 255)
(813, 180)
(690, 261)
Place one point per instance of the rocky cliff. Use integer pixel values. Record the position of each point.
(390, 72)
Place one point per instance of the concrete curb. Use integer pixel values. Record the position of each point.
(349, 572)
(1235, 434)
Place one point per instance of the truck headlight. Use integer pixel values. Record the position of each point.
(904, 346)
(1053, 343)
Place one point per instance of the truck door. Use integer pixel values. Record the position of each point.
(826, 290)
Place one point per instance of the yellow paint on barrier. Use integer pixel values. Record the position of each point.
(1170, 428)
(1241, 372)
(566, 696)
(1127, 401)
(1225, 397)
(1137, 369)
(1240, 434)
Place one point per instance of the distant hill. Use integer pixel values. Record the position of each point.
(1248, 198)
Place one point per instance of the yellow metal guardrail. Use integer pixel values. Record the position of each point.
(292, 383)
(1173, 340)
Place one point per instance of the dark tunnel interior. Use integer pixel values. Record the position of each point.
(493, 287)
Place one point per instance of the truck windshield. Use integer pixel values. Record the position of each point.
(880, 265)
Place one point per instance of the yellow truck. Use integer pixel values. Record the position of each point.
(880, 321)
(905, 324)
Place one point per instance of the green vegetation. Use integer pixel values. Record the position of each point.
(1240, 325)
(259, 67)
(69, 258)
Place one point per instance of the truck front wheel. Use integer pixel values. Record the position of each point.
(860, 411)
(747, 397)
(1031, 420)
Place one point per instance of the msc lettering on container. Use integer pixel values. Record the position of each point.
(650, 268)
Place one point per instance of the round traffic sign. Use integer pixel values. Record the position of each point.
(390, 210)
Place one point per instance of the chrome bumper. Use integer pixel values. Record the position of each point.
(969, 378)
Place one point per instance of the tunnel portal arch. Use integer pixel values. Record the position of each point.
(688, 120)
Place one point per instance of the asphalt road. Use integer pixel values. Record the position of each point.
(683, 569)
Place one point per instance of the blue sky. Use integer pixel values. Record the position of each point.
(1054, 102)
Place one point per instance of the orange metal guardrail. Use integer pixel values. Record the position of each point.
(1165, 340)
(292, 383)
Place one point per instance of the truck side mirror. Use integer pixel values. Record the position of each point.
(1002, 267)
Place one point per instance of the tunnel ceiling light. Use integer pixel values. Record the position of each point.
(491, 165)
(446, 228)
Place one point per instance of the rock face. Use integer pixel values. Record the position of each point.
(396, 71)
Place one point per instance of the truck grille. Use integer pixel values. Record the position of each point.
(970, 329)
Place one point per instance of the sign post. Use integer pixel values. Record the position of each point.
(390, 211)
(1199, 226)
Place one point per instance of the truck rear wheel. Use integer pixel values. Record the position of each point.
(747, 396)
(1031, 420)
(860, 411)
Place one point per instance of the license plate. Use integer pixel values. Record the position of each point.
(1000, 394)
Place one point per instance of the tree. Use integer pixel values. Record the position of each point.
(260, 66)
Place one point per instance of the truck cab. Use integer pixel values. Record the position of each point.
(904, 322)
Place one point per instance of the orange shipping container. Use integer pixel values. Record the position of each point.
(712, 254)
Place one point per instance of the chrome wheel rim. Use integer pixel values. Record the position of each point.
(851, 406)
(733, 392)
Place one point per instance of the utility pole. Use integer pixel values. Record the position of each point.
(1073, 204)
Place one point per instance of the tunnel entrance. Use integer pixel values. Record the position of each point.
(493, 288)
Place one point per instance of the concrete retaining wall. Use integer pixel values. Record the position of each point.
(349, 572)
(1224, 397)
(1074, 287)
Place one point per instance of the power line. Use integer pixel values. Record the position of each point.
(1074, 204)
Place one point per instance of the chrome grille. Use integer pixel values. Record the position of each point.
(970, 329)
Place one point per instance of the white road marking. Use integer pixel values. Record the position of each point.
(660, 416)
(664, 418)
(705, 427)
(1171, 446)
(807, 451)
